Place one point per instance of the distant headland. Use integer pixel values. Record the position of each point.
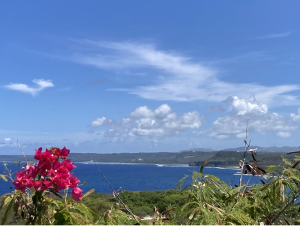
(192, 157)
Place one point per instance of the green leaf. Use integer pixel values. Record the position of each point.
(3, 198)
(271, 168)
(59, 219)
(16, 208)
(83, 209)
(202, 166)
(3, 177)
(179, 184)
(34, 199)
(287, 162)
(18, 162)
(88, 193)
(7, 211)
(185, 187)
(55, 192)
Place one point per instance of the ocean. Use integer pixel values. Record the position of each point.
(135, 177)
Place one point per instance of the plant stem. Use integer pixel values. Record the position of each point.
(117, 195)
(22, 151)
(284, 208)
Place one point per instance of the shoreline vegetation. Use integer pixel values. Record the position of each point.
(193, 157)
(42, 195)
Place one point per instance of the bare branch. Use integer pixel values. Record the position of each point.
(22, 151)
(116, 194)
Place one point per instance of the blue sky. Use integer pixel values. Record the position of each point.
(147, 76)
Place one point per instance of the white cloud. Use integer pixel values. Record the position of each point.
(142, 111)
(278, 35)
(41, 84)
(260, 120)
(284, 134)
(222, 136)
(296, 116)
(154, 123)
(177, 77)
(98, 122)
(241, 135)
(7, 139)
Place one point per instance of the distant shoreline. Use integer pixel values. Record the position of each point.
(159, 165)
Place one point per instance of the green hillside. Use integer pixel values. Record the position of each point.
(231, 158)
(184, 157)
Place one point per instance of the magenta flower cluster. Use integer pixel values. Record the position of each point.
(49, 172)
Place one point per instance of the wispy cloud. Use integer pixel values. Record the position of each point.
(250, 56)
(177, 77)
(41, 84)
(278, 35)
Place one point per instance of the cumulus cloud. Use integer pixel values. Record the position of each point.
(260, 120)
(177, 77)
(41, 84)
(296, 116)
(284, 134)
(153, 123)
(7, 143)
(98, 122)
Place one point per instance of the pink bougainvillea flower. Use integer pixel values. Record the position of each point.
(50, 156)
(57, 151)
(68, 164)
(73, 181)
(44, 168)
(49, 173)
(30, 183)
(61, 168)
(46, 185)
(55, 167)
(76, 193)
(60, 182)
(20, 184)
(38, 153)
(32, 171)
(20, 175)
(64, 153)
(37, 185)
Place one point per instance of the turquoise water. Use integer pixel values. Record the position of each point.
(136, 177)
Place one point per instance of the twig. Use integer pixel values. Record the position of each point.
(284, 208)
(244, 159)
(244, 154)
(247, 129)
(247, 184)
(117, 195)
(22, 152)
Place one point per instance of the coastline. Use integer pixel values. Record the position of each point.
(160, 164)
(141, 163)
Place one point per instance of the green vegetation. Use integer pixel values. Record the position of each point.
(184, 157)
(206, 201)
(231, 158)
(141, 203)
(193, 157)
(209, 200)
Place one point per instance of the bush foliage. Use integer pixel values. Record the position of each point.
(207, 200)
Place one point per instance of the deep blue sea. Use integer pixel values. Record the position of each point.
(135, 177)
